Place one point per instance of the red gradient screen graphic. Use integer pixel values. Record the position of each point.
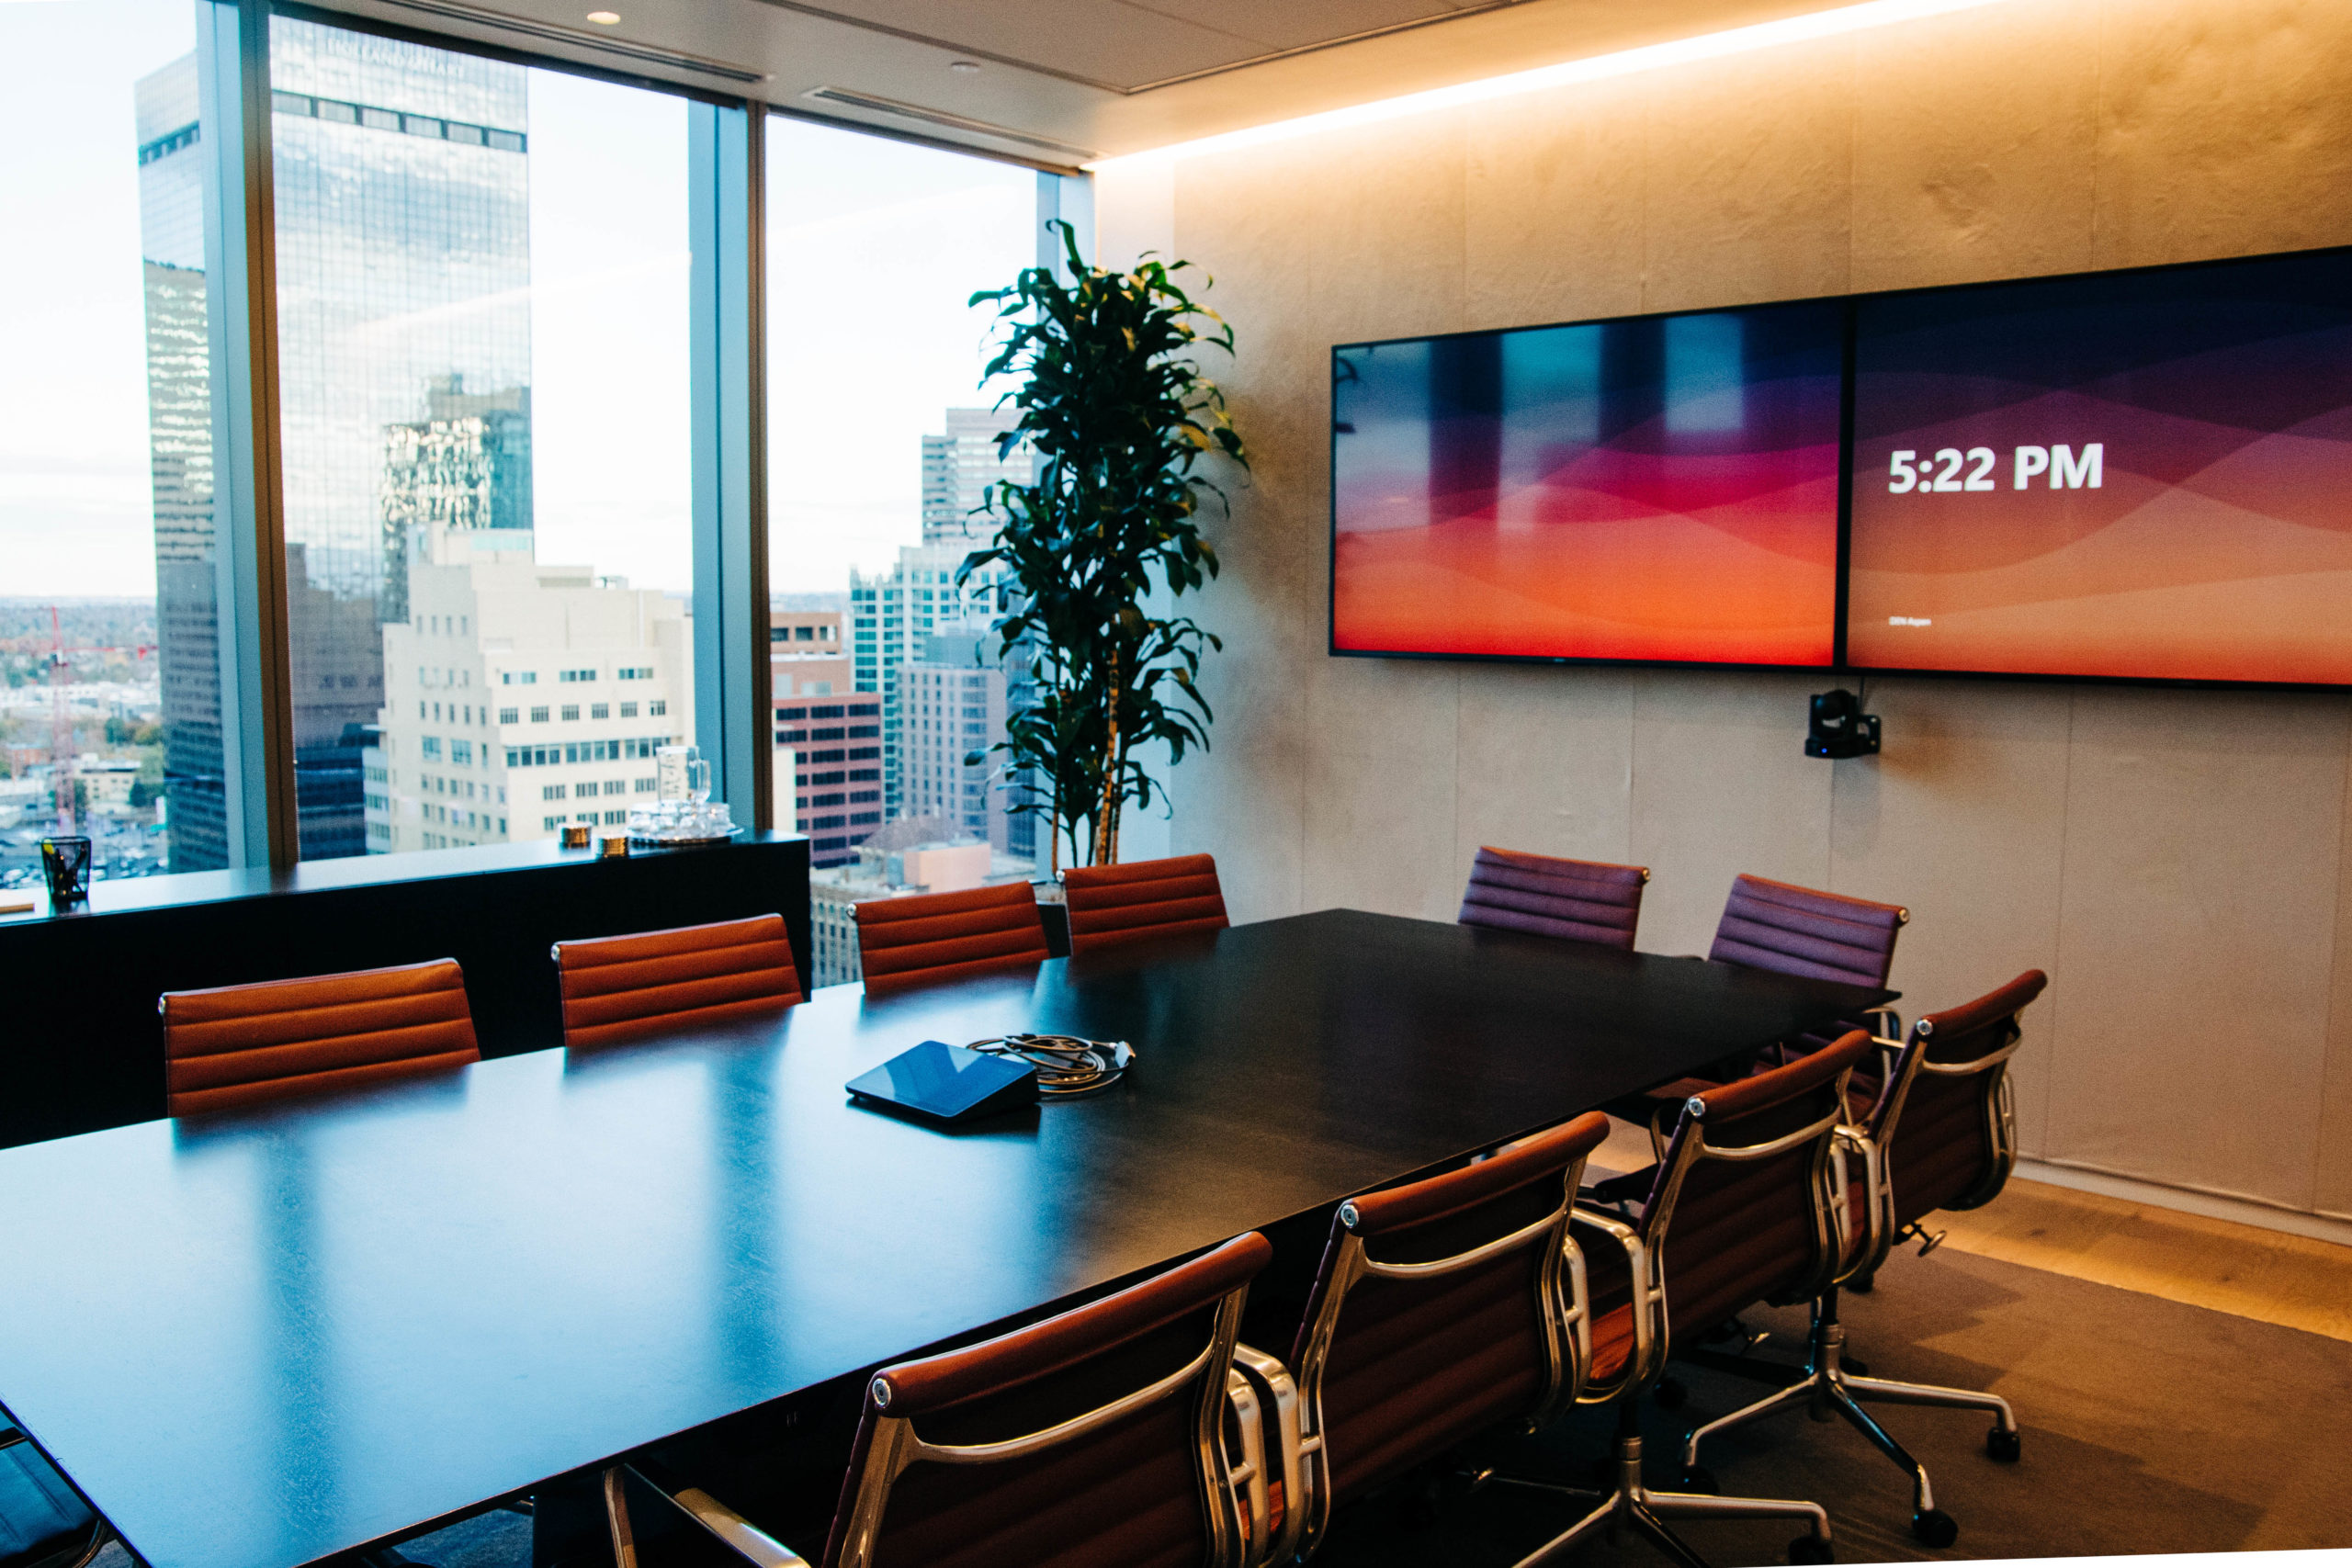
(1660, 488)
(2140, 475)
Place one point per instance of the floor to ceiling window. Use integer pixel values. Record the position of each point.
(881, 442)
(482, 274)
(109, 708)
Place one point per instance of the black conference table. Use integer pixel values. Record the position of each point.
(265, 1338)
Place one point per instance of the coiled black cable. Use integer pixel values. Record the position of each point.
(1067, 1067)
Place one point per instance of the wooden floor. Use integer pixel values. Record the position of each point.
(2241, 1269)
(2244, 1270)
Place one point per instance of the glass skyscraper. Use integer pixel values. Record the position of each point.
(404, 364)
(179, 423)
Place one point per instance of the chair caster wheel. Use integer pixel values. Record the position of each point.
(1700, 1479)
(1935, 1527)
(1861, 1284)
(1860, 1369)
(1805, 1549)
(1671, 1393)
(2003, 1446)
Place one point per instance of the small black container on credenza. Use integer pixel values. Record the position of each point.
(65, 863)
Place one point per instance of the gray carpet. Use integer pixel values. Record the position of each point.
(2148, 1427)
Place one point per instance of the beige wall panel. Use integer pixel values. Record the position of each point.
(1553, 206)
(1135, 213)
(1378, 239)
(1380, 796)
(1973, 146)
(1748, 179)
(2225, 129)
(1545, 763)
(2332, 1170)
(1961, 820)
(1721, 786)
(1243, 801)
(2196, 928)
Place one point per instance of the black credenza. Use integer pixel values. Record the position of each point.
(80, 1048)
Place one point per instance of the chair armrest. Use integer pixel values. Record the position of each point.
(1283, 1466)
(730, 1529)
(1245, 1473)
(1878, 1208)
(1648, 1298)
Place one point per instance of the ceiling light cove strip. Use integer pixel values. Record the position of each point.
(1625, 62)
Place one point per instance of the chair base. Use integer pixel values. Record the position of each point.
(1630, 1504)
(1825, 1387)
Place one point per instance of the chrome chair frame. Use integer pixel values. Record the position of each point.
(1629, 1503)
(1562, 1306)
(1236, 1504)
(1825, 1386)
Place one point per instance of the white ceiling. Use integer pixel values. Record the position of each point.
(1063, 81)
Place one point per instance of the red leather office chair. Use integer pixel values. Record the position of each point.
(1102, 1436)
(241, 1045)
(947, 936)
(625, 987)
(1578, 900)
(1444, 1308)
(1745, 1189)
(1111, 905)
(1945, 1103)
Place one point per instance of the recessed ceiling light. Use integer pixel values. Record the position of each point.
(606, 18)
(966, 66)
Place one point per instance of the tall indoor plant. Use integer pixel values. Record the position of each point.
(1119, 418)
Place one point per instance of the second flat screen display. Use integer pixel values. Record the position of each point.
(2139, 474)
(1660, 488)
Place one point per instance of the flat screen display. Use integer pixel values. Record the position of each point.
(1661, 488)
(2136, 474)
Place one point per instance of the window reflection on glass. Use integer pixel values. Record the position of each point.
(109, 711)
(483, 382)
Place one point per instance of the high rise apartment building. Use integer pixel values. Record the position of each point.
(893, 615)
(952, 706)
(960, 467)
(828, 740)
(520, 697)
(835, 752)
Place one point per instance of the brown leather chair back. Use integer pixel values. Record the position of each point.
(1944, 1124)
(1580, 900)
(242, 1046)
(946, 936)
(1442, 1308)
(1744, 1191)
(1797, 930)
(625, 987)
(1113, 905)
(1092, 1437)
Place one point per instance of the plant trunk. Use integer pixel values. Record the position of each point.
(1106, 842)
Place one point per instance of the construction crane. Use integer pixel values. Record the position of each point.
(61, 713)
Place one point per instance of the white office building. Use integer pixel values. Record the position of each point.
(520, 697)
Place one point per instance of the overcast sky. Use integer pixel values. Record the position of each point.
(873, 247)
